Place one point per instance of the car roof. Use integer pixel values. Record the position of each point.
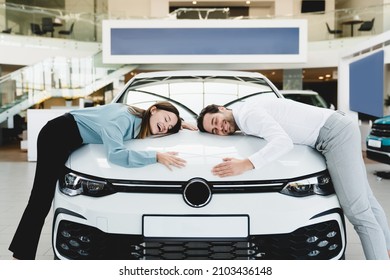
(179, 73)
(298, 91)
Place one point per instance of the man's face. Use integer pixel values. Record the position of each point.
(221, 123)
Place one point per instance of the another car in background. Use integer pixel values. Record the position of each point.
(308, 97)
(378, 141)
(286, 210)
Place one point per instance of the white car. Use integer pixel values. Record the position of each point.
(286, 210)
(308, 97)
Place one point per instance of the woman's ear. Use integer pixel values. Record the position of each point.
(221, 108)
(153, 110)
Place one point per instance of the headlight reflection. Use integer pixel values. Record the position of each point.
(73, 184)
(320, 185)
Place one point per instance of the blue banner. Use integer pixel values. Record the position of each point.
(205, 41)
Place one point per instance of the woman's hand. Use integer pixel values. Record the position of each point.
(189, 126)
(170, 159)
(231, 167)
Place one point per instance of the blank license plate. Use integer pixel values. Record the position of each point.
(374, 143)
(196, 226)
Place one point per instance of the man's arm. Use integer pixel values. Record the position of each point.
(257, 123)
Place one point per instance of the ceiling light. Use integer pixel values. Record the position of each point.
(321, 77)
(328, 75)
(248, 2)
(194, 2)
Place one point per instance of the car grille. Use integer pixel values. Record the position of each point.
(380, 130)
(318, 241)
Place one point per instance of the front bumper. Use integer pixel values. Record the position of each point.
(378, 144)
(382, 156)
(320, 241)
(279, 227)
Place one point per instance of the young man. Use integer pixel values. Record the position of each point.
(282, 123)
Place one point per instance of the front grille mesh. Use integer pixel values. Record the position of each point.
(380, 130)
(193, 250)
(319, 241)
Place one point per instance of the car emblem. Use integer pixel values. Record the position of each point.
(197, 193)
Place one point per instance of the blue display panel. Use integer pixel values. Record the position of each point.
(204, 41)
(366, 85)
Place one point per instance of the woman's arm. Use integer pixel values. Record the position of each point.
(170, 159)
(113, 140)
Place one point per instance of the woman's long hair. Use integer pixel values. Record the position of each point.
(145, 115)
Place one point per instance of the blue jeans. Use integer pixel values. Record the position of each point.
(340, 143)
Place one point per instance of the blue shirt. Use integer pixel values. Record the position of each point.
(111, 125)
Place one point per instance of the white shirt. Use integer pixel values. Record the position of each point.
(281, 122)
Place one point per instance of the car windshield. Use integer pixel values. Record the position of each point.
(191, 93)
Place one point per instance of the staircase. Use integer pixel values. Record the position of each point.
(69, 78)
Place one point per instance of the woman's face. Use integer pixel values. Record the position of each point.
(161, 121)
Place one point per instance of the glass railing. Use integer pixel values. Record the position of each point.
(347, 21)
(69, 78)
(17, 19)
(340, 19)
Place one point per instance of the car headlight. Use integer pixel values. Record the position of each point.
(320, 185)
(72, 184)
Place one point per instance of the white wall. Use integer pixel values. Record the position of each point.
(285, 7)
(159, 8)
(130, 8)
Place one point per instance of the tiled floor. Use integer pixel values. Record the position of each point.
(16, 176)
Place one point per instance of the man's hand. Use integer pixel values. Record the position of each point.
(170, 159)
(231, 167)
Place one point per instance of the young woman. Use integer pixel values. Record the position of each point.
(110, 125)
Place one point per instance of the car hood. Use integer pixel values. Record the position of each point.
(201, 151)
(384, 120)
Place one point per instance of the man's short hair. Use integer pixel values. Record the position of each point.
(212, 109)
